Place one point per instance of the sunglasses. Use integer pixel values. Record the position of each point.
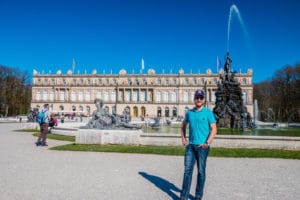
(199, 98)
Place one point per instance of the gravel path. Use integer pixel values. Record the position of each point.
(28, 172)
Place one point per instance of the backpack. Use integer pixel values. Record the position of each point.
(41, 118)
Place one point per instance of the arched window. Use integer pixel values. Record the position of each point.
(135, 111)
(158, 111)
(174, 112)
(143, 111)
(167, 112)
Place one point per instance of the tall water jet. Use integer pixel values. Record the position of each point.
(234, 9)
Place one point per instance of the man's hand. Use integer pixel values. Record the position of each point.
(184, 141)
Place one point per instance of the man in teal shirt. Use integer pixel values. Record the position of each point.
(202, 130)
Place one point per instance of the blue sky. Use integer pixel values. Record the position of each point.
(169, 34)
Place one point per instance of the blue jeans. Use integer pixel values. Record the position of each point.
(194, 153)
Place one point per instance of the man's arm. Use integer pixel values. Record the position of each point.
(213, 132)
(183, 134)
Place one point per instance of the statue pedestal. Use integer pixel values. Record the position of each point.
(96, 136)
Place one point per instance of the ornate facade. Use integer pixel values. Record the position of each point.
(151, 94)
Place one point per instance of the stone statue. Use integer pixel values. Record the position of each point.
(230, 110)
(31, 117)
(101, 119)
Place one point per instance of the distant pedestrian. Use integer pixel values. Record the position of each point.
(52, 122)
(62, 119)
(43, 120)
(202, 130)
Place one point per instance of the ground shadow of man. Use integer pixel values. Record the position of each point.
(163, 184)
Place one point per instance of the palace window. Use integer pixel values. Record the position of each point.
(114, 96)
(174, 97)
(174, 81)
(186, 81)
(135, 95)
(167, 81)
(62, 95)
(51, 96)
(99, 95)
(128, 95)
(45, 95)
(167, 112)
(73, 96)
(166, 96)
(244, 82)
(80, 96)
(129, 82)
(88, 96)
(38, 95)
(143, 96)
(144, 82)
(202, 81)
(185, 97)
(106, 96)
(158, 96)
(215, 81)
(158, 82)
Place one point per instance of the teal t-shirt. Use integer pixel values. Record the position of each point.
(199, 124)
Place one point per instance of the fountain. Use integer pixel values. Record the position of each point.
(101, 119)
(230, 110)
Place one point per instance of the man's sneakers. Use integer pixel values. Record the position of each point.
(38, 143)
(44, 144)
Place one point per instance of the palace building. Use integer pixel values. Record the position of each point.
(149, 94)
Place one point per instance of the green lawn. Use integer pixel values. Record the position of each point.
(168, 150)
(179, 151)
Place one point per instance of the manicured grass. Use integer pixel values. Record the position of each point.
(27, 130)
(58, 137)
(49, 136)
(294, 132)
(179, 151)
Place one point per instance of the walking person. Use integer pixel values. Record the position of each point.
(43, 119)
(202, 130)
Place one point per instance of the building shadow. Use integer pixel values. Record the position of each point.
(164, 185)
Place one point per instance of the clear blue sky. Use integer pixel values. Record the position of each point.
(168, 34)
